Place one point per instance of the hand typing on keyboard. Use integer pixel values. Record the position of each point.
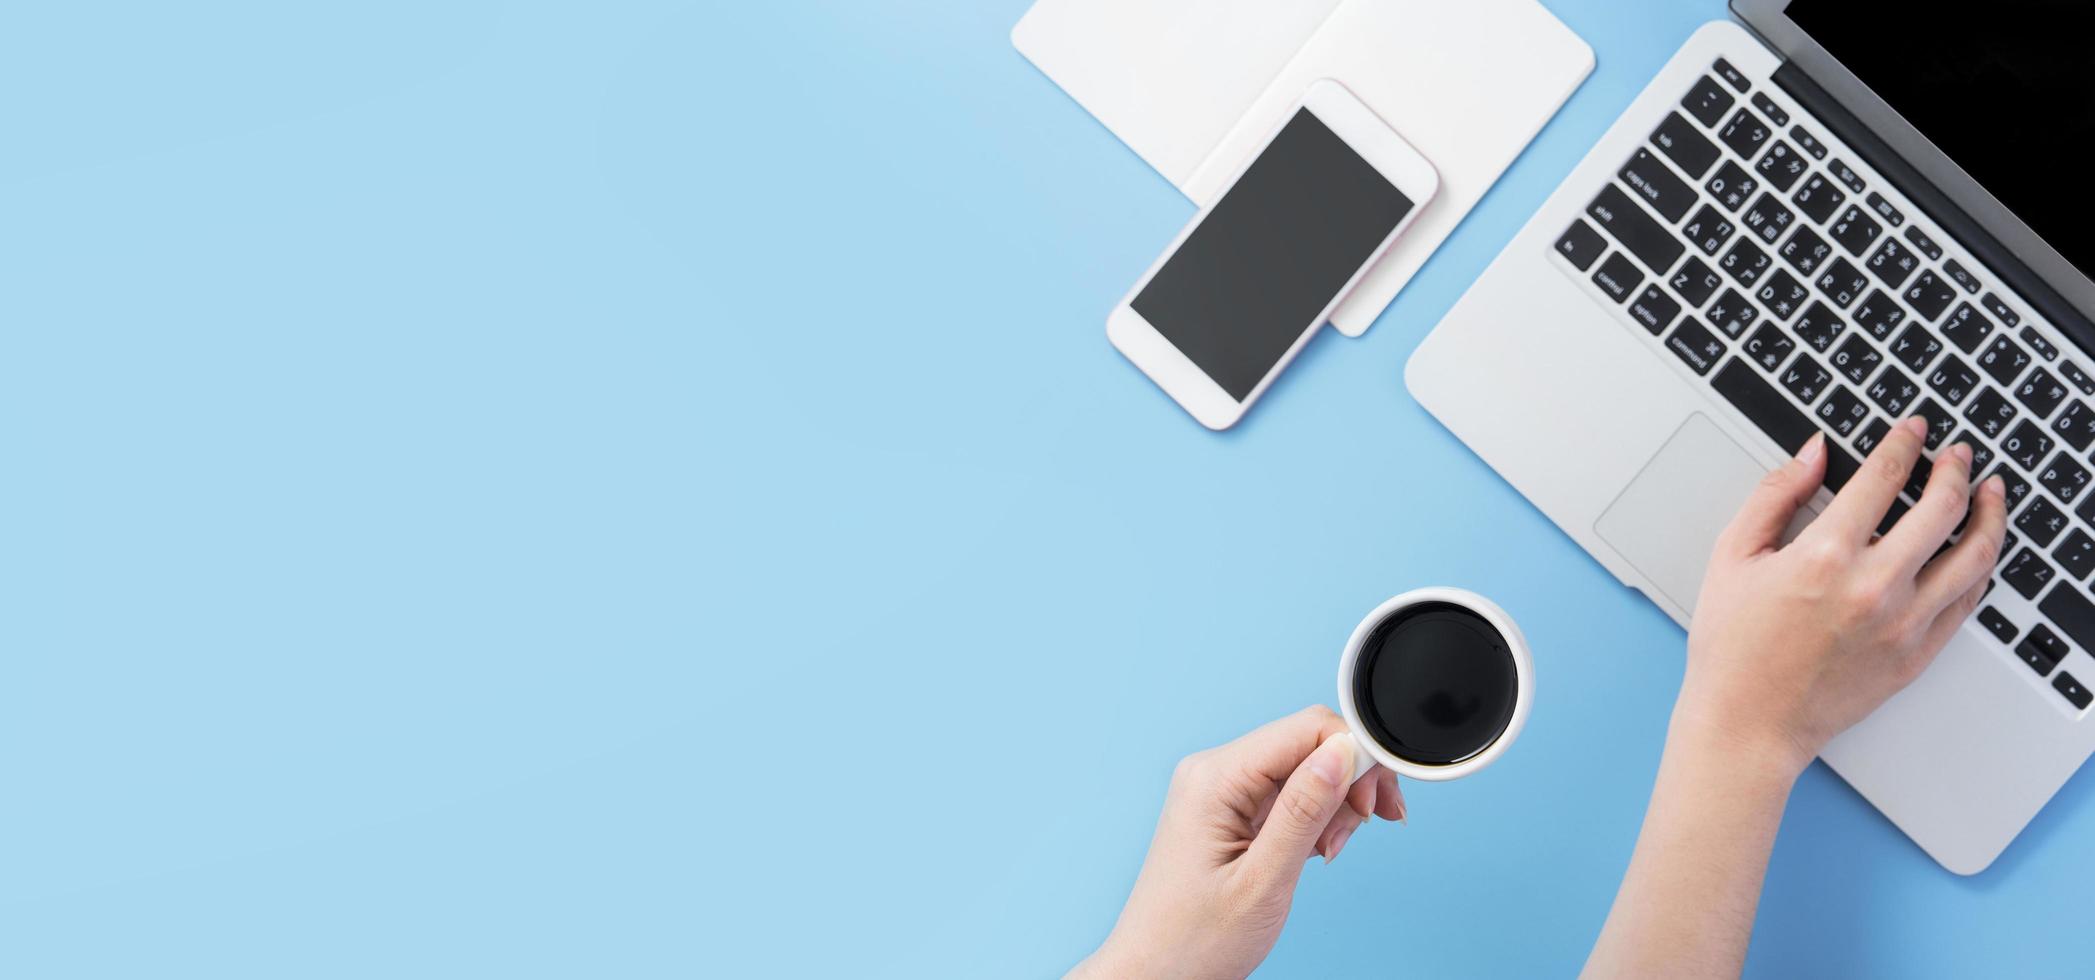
(1791, 645)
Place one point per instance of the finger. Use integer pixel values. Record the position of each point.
(1362, 796)
(1943, 505)
(1389, 799)
(1759, 524)
(1311, 797)
(1945, 626)
(1969, 562)
(1337, 833)
(1275, 750)
(1861, 505)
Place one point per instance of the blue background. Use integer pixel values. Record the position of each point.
(641, 489)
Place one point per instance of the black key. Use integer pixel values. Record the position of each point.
(1998, 625)
(1582, 246)
(1818, 198)
(1884, 210)
(1782, 166)
(1805, 379)
(2040, 393)
(2001, 310)
(1763, 405)
(2075, 694)
(2044, 348)
(2041, 521)
(1654, 310)
(1872, 436)
(2086, 510)
(2004, 360)
(1917, 479)
(1731, 74)
(2064, 478)
(1744, 134)
(1879, 314)
(1805, 251)
(1768, 346)
(1648, 240)
(1769, 109)
(2016, 488)
(1930, 296)
(2079, 378)
(1841, 411)
(1926, 245)
(1656, 186)
(1695, 281)
(2042, 650)
(1745, 262)
(1981, 455)
(1840, 468)
(1855, 359)
(2026, 445)
(1953, 379)
(1893, 392)
(1893, 263)
(1695, 345)
(1940, 422)
(1915, 348)
(2008, 540)
(1708, 230)
(1818, 327)
(1731, 186)
(1961, 276)
(1967, 327)
(1897, 510)
(1686, 145)
(1768, 218)
(1731, 313)
(1707, 101)
(2071, 611)
(1782, 295)
(2076, 426)
(1842, 283)
(2076, 555)
(1808, 143)
(1855, 231)
(1990, 412)
(2028, 574)
(1618, 277)
(1846, 175)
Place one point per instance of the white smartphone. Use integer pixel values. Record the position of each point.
(1245, 285)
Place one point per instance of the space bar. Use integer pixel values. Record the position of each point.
(1785, 423)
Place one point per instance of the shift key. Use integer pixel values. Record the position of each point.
(1644, 237)
(2071, 611)
(1767, 409)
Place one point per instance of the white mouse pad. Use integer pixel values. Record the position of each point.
(1194, 86)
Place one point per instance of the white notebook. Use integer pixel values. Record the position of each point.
(1194, 86)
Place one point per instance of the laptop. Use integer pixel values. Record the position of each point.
(1824, 217)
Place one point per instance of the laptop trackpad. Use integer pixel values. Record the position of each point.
(1668, 518)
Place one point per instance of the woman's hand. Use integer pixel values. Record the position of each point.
(1238, 823)
(1793, 644)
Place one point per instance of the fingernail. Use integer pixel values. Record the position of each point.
(1995, 486)
(1338, 843)
(1963, 451)
(1332, 762)
(1814, 447)
(1918, 425)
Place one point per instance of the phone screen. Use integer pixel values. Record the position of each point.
(1272, 254)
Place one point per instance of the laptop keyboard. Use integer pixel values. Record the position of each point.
(1812, 297)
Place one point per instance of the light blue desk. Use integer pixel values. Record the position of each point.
(640, 489)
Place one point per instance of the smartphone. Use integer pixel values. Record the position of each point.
(1250, 280)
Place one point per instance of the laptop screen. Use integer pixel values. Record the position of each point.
(2005, 90)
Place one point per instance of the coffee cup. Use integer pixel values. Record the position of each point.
(1435, 684)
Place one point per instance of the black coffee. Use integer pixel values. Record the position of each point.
(1435, 684)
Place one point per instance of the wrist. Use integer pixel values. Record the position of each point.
(1114, 958)
(1762, 754)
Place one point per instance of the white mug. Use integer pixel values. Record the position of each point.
(1368, 752)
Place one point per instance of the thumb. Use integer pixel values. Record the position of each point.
(1307, 802)
(1760, 523)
